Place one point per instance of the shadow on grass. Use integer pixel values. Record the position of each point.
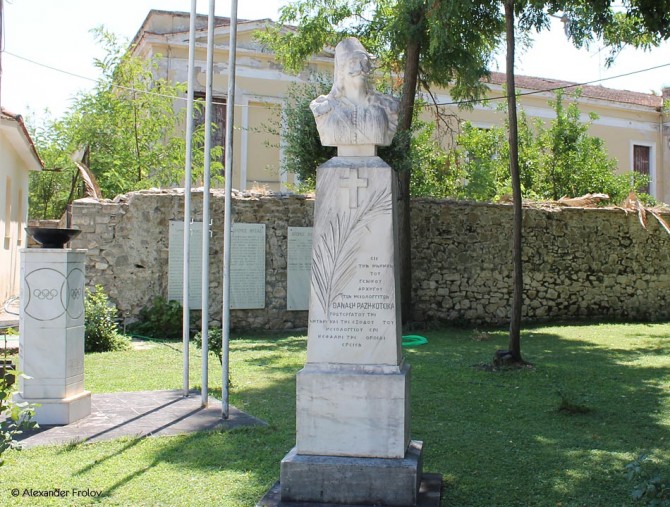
(503, 430)
(498, 438)
(250, 455)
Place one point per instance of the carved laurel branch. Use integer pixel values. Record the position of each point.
(334, 262)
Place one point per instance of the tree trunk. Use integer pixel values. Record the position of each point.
(406, 114)
(514, 347)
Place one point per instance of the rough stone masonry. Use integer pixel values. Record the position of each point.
(578, 262)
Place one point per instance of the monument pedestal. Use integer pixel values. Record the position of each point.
(51, 343)
(61, 410)
(353, 410)
(351, 480)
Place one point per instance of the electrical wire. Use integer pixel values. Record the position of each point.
(452, 103)
(555, 88)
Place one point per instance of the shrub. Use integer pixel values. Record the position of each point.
(14, 417)
(101, 330)
(556, 160)
(161, 319)
(214, 342)
(649, 488)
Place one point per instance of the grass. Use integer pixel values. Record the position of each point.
(502, 438)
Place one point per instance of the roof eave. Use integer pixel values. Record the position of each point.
(14, 123)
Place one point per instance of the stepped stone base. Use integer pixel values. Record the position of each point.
(352, 481)
(59, 411)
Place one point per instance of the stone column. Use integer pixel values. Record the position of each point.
(51, 325)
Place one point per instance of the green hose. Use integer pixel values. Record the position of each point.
(413, 340)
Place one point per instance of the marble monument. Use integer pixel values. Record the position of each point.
(353, 441)
(51, 343)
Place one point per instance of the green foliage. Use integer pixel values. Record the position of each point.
(161, 319)
(129, 125)
(649, 487)
(456, 39)
(640, 23)
(555, 161)
(571, 404)
(302, 149)
(14, 417)
(214, 343)
(101, 330)
(52, 190)
(435, 173)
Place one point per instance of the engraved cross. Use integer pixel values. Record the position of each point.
(352, 182)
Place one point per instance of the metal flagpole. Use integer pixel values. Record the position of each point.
(187, 191)
(206, 227)
(230, 107)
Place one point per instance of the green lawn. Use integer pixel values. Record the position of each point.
(498, 438)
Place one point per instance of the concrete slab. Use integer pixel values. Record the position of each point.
(140, 414)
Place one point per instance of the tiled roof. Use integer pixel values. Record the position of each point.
(19, 120)
(593, 92)
(180, 24)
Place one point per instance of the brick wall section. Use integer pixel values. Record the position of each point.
(578, 262)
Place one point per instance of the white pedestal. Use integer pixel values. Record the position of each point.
(51, 344)
(361, 412)
(353, 394)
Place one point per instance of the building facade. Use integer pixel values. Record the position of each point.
(18, 157)
(634, 126)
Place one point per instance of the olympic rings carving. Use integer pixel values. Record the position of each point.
(47, 294)
(47, 304)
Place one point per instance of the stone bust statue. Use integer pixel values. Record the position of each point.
(353, 113)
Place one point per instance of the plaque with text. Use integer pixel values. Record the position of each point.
(299, 264)
(354, 314)
(247, 266)
(176, 264)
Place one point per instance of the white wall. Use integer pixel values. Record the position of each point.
(13, 199)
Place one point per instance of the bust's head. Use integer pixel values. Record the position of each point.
(353, 67)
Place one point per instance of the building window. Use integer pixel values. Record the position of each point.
(642, 163)
(8, 211)
(218, 120)
(19, 219)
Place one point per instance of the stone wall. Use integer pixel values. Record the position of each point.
(578, 262)
(598, 263)
(127, 241)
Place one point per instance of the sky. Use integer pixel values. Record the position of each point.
(49, 50)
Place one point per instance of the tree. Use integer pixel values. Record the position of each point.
(128, 125)
(642, 23)
(555, 161)
(514, 347)
(301, 148)
(429, 41)
(54, 188)
(450, 43)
